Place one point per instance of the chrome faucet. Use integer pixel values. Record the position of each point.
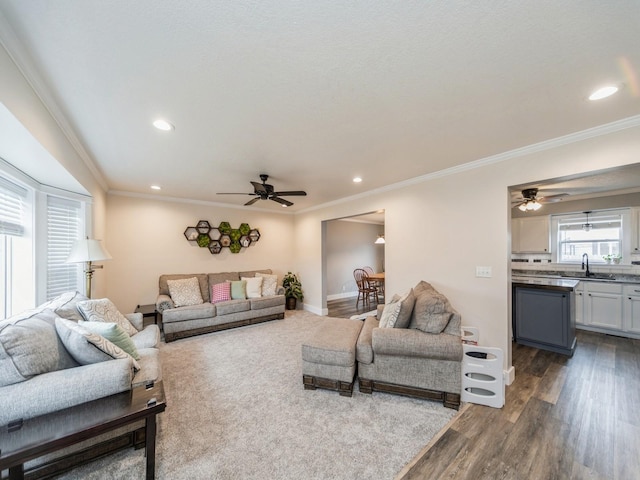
(585, 256)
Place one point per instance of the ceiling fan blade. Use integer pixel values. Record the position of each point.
(552, 198)
(298, 193)
(235, 193)
(282, 201)
(259, 187)
(252, 201)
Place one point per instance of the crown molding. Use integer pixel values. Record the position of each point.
(23, 61)
(605, 129)
(190, 201)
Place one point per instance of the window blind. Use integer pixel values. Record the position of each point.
(12, 204)
(64, 227)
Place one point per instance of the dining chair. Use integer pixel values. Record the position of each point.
(379, 285)
(365, 289)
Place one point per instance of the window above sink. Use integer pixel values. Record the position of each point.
(607, 235)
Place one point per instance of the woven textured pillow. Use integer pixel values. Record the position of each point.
(220, 292)
(254, 286)
(269, 284)
(185, 291)
(103, 310)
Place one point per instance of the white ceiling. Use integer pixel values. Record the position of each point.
(314, 93)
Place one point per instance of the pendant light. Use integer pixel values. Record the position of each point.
(587, 226)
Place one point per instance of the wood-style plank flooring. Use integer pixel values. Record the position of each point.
(564, 418)
(346, 307)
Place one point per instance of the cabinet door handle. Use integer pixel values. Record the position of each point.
(589, 294)
(637, 291)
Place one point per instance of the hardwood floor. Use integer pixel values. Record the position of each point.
(346, 307)
(564, 418)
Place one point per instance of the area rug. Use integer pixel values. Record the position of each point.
(236, 409)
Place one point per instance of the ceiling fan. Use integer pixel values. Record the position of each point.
(530, 200)
(264, 191)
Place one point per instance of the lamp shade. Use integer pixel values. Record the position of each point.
(88, 250)
(380, 239)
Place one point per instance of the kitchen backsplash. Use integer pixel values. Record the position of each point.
(542, 261)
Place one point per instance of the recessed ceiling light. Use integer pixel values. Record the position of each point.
(603, 92)
(156, 187)
(161, 124)
(357, 179)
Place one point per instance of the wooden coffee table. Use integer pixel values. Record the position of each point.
(25, 440)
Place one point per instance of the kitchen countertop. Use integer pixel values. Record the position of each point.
(600, 277)
(564, 284)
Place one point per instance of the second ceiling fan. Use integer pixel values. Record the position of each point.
(264, 191)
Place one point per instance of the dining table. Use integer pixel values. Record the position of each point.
(378, 280)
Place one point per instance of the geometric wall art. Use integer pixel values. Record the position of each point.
(222, 236)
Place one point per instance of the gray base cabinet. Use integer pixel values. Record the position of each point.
(545, 318)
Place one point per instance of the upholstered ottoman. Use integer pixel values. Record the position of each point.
(329, 357)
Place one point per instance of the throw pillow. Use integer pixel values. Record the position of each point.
(185, 291)
(254, 286)
(406, 308)
(220, 292)
(397, 313)
(269, 284)
(390, 315)
(103, 310)
(431, 312)
(114, 333)
(238, 290)
(69, 309)
(87, 347)
(28, 347)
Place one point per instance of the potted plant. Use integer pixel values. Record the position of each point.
(616, 258)
(292, 290)
(607, 258)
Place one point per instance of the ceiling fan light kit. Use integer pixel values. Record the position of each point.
(530, 201)
(264, 191)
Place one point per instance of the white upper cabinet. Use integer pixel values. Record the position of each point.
(530, 234)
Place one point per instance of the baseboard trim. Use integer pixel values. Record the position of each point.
(509, 375)
(338, 296)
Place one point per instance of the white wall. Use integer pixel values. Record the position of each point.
(458, 221)
(349, 246)
(25, 105)
(145, 238)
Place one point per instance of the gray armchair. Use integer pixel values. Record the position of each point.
(406, 359)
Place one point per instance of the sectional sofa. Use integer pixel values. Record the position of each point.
(208, 314)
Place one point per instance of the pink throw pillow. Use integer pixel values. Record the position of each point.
(220, 292)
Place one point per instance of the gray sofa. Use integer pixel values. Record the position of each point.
(185, 321)
(31, 342)
(420, 356)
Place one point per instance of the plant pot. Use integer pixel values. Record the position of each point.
(617, 261)
(291, 303)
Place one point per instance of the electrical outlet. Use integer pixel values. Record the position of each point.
(483, 272)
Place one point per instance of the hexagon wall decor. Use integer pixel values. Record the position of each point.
(223, 236)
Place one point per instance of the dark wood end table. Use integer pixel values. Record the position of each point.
(148, 311)
(22, 441)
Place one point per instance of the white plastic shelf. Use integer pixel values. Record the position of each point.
(482, 379)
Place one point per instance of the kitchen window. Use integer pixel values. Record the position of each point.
(605, 233)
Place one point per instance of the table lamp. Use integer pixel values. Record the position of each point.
(88, 251)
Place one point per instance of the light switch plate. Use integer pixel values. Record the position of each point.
(483, 272)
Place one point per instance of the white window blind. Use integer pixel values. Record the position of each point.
(64, 227)
(12, 204)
